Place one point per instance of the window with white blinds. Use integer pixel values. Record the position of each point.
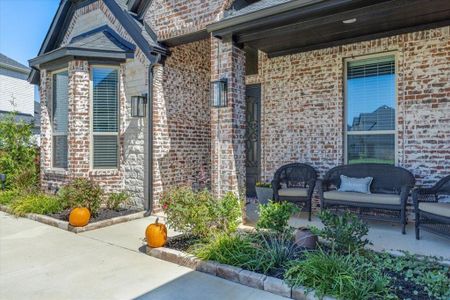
(60, 118)
(370, 110)
(105, 117)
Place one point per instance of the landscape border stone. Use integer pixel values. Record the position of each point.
(66, 226)
(248, 278)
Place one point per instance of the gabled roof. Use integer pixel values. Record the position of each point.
(10, 63)
(99, 42)
(134, 27)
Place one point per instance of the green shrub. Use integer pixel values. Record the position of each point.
(82, 192)
(275, 215)
(18, 153)
(8, 196)
(344, 232)
(199, 213)
(341, 276)
(425, 272)
(228, 213)
(230, 249)
(114, 200)
(38, 203)
(276, 250)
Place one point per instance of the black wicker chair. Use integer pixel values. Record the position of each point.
(432, 214)
(295, 183)
(389, 189)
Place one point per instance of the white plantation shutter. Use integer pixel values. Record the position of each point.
(105, 116)
(60, 118)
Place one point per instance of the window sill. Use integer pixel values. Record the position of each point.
(56, 171)
(104, 172)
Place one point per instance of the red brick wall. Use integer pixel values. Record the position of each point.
(303, 104)
(178, 17)
(182, 133)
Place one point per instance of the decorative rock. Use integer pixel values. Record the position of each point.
(252, 279)
(305, 238)
(207, 266)
(277, 286)
(228, 272)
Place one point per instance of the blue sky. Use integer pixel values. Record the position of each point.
(23, 26)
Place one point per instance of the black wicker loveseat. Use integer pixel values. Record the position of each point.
(295, 183)
(432, 214)
(388, 195)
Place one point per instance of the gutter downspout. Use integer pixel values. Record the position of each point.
(149, 160)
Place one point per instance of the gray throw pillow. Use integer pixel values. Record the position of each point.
(359, 185)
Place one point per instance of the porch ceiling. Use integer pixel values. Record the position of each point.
(299, 25)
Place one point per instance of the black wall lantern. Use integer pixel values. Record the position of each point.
(138, 106)
(219, 93)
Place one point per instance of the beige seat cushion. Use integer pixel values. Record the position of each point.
(293, 192)
(440, 209)
(390, 199)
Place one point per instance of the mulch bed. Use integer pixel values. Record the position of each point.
(181, 242)
(103, 214)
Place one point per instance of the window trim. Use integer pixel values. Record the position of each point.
(394, 131)
(50, 108)
(91, 117)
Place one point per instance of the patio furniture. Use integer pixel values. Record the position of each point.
(387, 197)
(295, 183)
(431, 213)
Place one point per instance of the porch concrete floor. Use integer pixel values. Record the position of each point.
(383, 235)
(38, 261)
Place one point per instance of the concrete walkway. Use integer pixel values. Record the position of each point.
(42, 262)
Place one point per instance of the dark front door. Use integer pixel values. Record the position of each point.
(253, 136)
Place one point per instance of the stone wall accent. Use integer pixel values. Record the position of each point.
(181, 116)
(179, 17)
(228, 123)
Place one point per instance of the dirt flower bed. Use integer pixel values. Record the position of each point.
(102, 214)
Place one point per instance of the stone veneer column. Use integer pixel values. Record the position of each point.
(79, 126)
(46, 133)
(228, 123)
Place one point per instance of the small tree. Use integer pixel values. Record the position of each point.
(17, 152)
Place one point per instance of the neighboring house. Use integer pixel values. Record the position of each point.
(296, 72)
(16, 93)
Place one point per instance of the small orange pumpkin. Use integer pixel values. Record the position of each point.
(156, 234)
(79, 216)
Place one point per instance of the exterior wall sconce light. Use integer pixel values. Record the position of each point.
(138, 104)
(219, 93)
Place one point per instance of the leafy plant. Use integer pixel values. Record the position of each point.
(275, 252)
(426, 273)
(187, 211)
(18, 153)
(82, 192)
(263, 184)
(114, 200)
(199, 213)
(230, 249)
(343, 276)
(8, 196)
(228, 213)
(344, 232)
(275, 215)
(38, 203)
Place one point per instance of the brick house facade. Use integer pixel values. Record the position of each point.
(302, 99)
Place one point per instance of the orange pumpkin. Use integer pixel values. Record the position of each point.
(156, 234)
(79, 216)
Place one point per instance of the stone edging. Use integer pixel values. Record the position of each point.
(252, 279)
(66, 226)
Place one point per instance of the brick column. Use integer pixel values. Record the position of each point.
(228, 123)
(79, 123)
